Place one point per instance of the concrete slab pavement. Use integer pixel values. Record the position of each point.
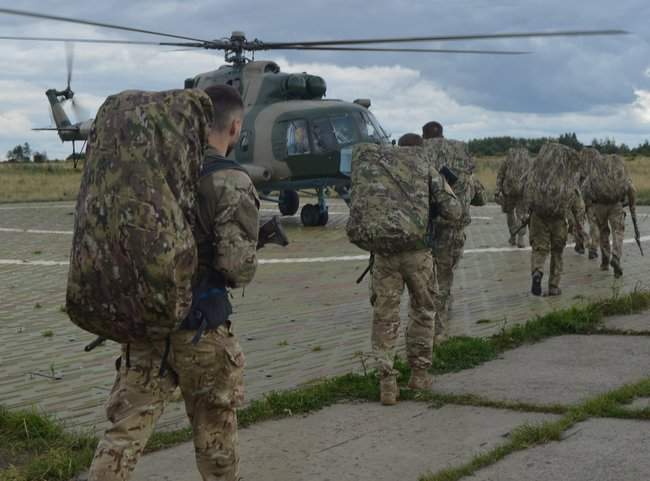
(596, 450)
(354, 442)
(564, 370)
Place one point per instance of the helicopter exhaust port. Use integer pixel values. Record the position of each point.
(257, 173)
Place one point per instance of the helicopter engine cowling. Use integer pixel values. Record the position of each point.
(257, 173)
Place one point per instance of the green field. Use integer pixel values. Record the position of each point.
(59, 181)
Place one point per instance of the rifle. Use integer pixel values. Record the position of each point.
(371, 262)
(99, 340)
(637, 234)
(449, 175)
(523, 225)
(270, 233)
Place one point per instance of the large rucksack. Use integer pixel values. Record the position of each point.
(390, 198)
(133, 252)
(608, 179)
(517, 164)
(552, 180)
(455, 155)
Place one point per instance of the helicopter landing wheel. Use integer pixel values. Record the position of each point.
(323, 218)
(289, 202)
(310, 215)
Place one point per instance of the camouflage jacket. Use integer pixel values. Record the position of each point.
(512, 172)
(444, 203)
(228, 221)
(455, 155)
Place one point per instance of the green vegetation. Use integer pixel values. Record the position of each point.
(40, 448)
(47, 333)
(28, 182)
(638, 166)
(527, 436)
(500, 145)
(34, 447)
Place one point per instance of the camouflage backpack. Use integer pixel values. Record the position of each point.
(552, 180)
(607, 181)
(455, 155)
(389, 203)
(133, 252)
(517, 165)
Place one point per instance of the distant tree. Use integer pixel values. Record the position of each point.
(19, 154)
(570, 140)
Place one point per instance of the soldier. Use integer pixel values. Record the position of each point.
(551, 195)
(509, 193)
(396, 198)
(588, 157)
(450, 156)
(607, 188)
(210, 371)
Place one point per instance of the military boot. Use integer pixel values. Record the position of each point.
(593, 254)
(420, 380)
(389, 392)
(554, 291)
(536, 288)
(521, 242)
(604, 263)
(579, 248)
(616, 265)
(512, 241)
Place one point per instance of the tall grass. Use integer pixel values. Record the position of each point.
(38, 182)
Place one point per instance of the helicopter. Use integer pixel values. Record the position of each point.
(293, 138)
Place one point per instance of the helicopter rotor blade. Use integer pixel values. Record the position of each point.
(25, 13)
(409, 50)
(81, 113)
(443, 38)
(107, 41)
(69, 60)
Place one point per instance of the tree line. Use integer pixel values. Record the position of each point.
(500, 145)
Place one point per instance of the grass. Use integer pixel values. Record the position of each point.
(529, 435)
(59, 181)
(40, 449)
(38, 182)
(639, 168)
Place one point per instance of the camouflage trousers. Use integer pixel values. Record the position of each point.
(389, 276)
(576, 226)
(449, 245)
(515, 215)
(594, 229)
(611, 221)
(210, 377)
(548, 235)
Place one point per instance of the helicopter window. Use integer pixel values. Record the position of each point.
(343, 130)
(324, 137)
(244, 141)
(368, 128)
(297, 138)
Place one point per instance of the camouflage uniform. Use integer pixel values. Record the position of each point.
(607, 187)
(210, 373)
(415, 270)
(509, 193)
(552, 195)
(450, 237)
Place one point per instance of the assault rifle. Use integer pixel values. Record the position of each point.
(637, 234)
(523, 225)
(449, 175)
(270, 233)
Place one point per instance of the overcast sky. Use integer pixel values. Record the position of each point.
(597, 87)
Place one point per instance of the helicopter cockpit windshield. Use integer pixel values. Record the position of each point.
(332, 133)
